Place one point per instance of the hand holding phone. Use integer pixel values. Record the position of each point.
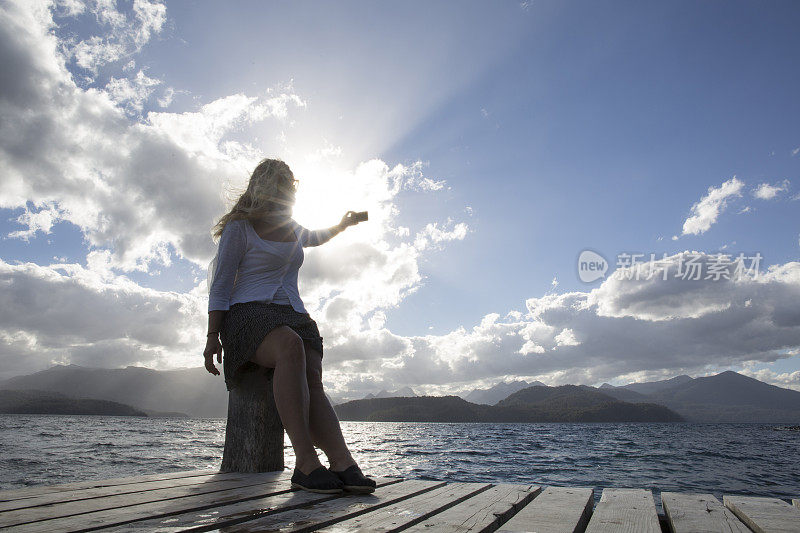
(351, 218)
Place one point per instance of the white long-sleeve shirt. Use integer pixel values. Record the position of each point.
(247, 268)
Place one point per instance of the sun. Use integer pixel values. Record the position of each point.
(330, 184)
(325, 193)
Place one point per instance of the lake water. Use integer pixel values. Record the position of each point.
(749, 459)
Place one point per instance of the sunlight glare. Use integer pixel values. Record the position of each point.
(327, 191)
(322, 197)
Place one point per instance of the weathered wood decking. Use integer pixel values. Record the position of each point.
(204, 500)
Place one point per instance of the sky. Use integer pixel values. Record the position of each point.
(498, 146)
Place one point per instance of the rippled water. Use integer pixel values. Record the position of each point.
(710, 458)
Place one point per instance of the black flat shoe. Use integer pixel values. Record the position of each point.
(354, 480)
(318, 480)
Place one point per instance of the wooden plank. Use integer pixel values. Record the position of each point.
(764, 515)
(403, 514)
(28, 492)
(128, 488)
(302, 511)
(112, 510)
(227, 516)
(483, 512)
(625, 510)
(555, 510)
(699, 513)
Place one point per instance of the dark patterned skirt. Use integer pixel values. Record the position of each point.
(246, 324)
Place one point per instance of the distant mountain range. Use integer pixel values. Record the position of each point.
(185, 392)
(567, 403)
(501, 391)
(725, 397)
(34, 402)
(192, 391)
(405, 391)
(652, 387)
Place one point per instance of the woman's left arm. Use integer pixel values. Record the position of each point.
(321, 236)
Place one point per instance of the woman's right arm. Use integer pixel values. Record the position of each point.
(215, 321)
(232, 246)
(321, 236)
(213, 345)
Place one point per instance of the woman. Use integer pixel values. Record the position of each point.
(256, 314)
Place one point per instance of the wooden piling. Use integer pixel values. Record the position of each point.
(254, 432)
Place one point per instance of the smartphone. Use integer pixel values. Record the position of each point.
(360, 216)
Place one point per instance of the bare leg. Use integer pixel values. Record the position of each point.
(282, 349)
(323, 424)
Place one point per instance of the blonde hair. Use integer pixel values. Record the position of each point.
(269, 191)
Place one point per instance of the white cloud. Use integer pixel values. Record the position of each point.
(413, 178)
(131, 94)
(677, 289)
(201, 133)
(69, 313)
(136, 188)
(70, 8)
(705, 212)
(150, 18)
(167, 97)
(123, 36)
(41, 220)
(646, 329)
(765, 191)
(433, 236)
(788, 380)
(144, 192)
(566, 338)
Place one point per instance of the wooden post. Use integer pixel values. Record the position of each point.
(254, 432)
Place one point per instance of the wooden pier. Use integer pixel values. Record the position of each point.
(205, 500)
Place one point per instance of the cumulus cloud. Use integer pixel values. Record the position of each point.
(36, 221)
(146, 191)
(627, 328)
(69, 8)
(705, 212)
(788, 380)
(123, 34)
(766, 191)
(62, 313)
(167, 97)
(143, 192)
(131, 94)
(132, 187)
(434, 235)
(201, 133)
